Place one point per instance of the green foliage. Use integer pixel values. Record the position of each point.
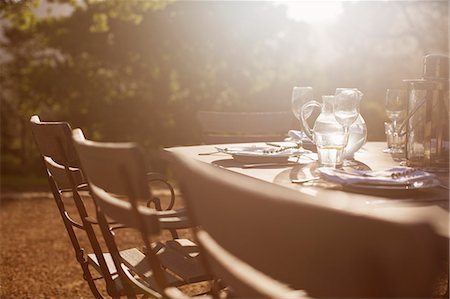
(17, 183)
(139, 70)
(129, 11)
(19, 13)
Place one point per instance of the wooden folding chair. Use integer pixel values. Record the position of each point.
(234, 127)
(285, 235)
(116, 174)
(54, 140)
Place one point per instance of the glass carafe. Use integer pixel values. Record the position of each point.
(326, 124)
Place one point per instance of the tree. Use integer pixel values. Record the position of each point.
(139, 70)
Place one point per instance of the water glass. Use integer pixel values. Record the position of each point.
(330, 148)
(395, 141)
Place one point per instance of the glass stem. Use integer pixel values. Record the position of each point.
(346, 133)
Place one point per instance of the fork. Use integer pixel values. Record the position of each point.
(406, 172)
(301, 181)
(218, 150)
(394, 175)
(209, 153)
(279, 149)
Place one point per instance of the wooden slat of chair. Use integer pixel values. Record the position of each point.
(59, 173)
(234, 127)
(52, 141)
(117, 178)
(326, 252)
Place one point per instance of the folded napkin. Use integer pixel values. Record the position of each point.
(393, 176)
(300, 137)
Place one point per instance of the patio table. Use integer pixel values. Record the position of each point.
(431, 205)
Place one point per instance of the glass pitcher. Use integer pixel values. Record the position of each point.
(326, 123)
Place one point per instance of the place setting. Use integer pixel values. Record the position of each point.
(338, 133)
(394, 181)
(297, 147)
(270, 154)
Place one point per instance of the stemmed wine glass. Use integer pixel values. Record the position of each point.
(301, 95)
(395, 105)
(395, 111)
(346, 111)
(346, 108)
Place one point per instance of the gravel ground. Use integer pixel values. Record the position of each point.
(36, 256)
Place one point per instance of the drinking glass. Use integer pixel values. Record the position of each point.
(301, 95)
(395, 106)
(346, 112)
(346, 108)
(330, 148)
(395, 141)
(396, 112)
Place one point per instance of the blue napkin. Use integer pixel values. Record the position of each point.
(392, 176)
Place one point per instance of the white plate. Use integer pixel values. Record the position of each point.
(260, 153)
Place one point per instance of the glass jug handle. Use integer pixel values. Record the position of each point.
(305, 107)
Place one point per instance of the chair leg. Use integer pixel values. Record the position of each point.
(79, 252)
(88, 277)
(174, 234)
(156, 201)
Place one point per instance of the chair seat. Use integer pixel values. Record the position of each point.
(133, 258)
(185, 246)
(181, 257)
(93, 261)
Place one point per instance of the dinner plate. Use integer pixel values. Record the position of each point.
(422, 184)
(260, 154)
(394, 180)
(392, 189)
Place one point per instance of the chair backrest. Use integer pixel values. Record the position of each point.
(117, 168)
(54, 140)
(228, 127)
(326, 252)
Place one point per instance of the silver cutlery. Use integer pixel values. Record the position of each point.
(283, 147)
(301, 181)
(209, 153)
(218, 151)
(279, 148)
(270, 164)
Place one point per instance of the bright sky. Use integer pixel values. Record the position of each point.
(312, 11)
